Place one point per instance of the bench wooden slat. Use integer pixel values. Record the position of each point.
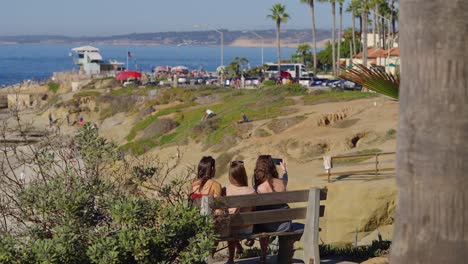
(270, 216)
(259, 235)
(263, 199)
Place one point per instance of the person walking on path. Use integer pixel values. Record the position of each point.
(51, 120)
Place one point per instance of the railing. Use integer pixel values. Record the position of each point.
(332, 163)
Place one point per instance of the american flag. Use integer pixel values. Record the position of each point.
(129, 54)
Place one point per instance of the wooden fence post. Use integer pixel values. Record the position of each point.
(376, 164)
(206, 203)
(311, 232)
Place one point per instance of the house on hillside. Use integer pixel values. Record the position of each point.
(388, 60)
(89, 60)
(91, 63)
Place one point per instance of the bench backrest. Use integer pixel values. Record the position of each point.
(311, 211)
(210, 204)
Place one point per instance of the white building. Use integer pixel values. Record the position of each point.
(88, 59)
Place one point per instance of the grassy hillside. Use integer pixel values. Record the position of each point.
(165, 116)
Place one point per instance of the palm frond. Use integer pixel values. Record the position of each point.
(374, 79)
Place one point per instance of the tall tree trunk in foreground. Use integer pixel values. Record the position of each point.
(432, 163)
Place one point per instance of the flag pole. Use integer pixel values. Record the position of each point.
(127, 60)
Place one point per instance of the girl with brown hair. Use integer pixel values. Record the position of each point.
(266, 180)
(204, 184)
(238, 186)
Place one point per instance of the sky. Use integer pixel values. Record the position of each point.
(111, 17)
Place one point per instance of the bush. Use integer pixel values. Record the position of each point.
(54, 87)
(83, 211)
(391, 133)
(87, 94)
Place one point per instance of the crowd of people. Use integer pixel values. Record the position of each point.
(266, 179)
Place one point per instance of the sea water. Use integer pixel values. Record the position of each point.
(38, 61)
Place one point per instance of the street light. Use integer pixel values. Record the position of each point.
(221, 35)
(262, 38)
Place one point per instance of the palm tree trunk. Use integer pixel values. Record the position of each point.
(354, 32)
(340, 29)
(391, 27)
(374, 22)
(382, 21)
(393, 17)
(432, 213)
(360, 30)
(333, 39)
(390, 35)
(314, 40)
(377, 24)
(364, 37)
(278, 45)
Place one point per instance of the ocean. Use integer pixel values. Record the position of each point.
(38, 61)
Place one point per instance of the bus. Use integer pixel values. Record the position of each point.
(296, 70)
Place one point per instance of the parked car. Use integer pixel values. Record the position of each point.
(131, 82)
(305, 81)
(200, 80)
(252, 81)
(318, 81)
(183, 80)
(348, 85)
(211, 80)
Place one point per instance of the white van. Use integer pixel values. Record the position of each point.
(295, 69)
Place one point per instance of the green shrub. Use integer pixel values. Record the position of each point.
(361, 253)
(150, 119)
(87, 94)
(54, 87)
(78, 213)
(391, 133)
(123, 91)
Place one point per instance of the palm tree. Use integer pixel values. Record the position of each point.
(333, 42)
(392, 19)
(279, 15)
(340, 2)
(354, 7)
(365, 14)
(302, 51)
(374, 4)
(314, 41)
(432, 213)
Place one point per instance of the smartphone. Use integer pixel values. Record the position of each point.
(277, 161)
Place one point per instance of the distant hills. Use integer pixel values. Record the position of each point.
(289, 38)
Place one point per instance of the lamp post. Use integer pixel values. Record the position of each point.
(222, 45)
(262, 38)
(221, 36)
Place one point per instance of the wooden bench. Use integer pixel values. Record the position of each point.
(311, 213)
